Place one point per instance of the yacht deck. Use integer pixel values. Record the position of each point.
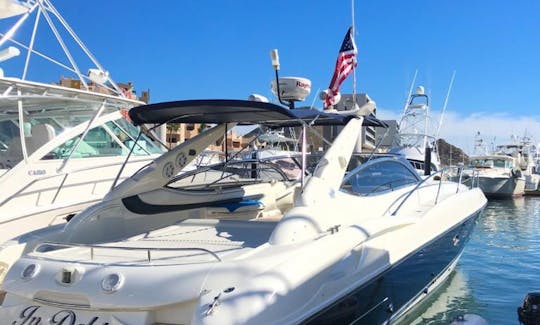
(190, 241)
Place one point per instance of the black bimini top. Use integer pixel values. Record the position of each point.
(218, 111)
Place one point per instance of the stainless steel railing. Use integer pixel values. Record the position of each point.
(460, 171)
(46, 246)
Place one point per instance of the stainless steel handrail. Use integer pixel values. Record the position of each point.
(441, 172)
(474, 177)
(414, 190)
(148, 249)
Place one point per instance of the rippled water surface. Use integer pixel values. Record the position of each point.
(500, 264)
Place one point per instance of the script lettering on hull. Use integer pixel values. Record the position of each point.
(31, 316)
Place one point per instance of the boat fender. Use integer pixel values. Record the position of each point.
(469, 319)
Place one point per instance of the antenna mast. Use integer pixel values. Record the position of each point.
(445, 103)
(410, 91)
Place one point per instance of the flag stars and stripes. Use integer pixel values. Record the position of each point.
(345, 64)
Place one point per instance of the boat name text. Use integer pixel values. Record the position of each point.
(37, 172)
(29, 316)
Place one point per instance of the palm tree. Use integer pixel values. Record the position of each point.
(171, 128)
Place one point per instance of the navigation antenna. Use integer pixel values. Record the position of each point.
(274, 56)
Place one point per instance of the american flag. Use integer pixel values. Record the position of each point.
(346, 62)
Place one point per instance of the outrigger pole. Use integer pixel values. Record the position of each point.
(410, 91)
(445, 103)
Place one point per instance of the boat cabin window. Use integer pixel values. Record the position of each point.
(379, 178)
(44, 120)
(9, 137)
(501, 163)
(127, 133)
(490, 163)
(115, 138)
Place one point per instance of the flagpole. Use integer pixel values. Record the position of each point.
(354, 67)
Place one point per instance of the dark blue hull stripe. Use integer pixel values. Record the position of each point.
(386, 296)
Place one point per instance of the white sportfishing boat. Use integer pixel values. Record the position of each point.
(61, 148)
(501, 170)
(416, 139)
(499, 176)
(243, 243)
(525, 154)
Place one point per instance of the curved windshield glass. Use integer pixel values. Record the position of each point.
(46, 118)
(104, 141)
(237, 173)
(127, 133)
(378, 178)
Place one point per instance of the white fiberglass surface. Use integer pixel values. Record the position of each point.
(188, 241)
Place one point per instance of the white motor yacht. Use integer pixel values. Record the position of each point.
(61, 148)
(499, 176)
(524, 153)
(244, 243)
(48, 171)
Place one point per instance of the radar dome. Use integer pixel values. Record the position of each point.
(292, 88)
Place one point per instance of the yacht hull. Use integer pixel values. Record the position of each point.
(363, 246)
(502, 187)
(48, 200)
(391, 294)
(532, 184)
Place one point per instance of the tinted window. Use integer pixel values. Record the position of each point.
(379, 177)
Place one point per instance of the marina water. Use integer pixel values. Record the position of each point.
(500, 264)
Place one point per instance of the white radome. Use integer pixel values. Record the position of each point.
(292, 88)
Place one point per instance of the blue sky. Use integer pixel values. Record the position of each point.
(220, 49)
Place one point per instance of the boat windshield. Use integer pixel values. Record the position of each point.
(379, 176)
(238, 173)
(112, 138)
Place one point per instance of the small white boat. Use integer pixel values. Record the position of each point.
(244, 243)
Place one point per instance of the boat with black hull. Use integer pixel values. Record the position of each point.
(243, 243)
